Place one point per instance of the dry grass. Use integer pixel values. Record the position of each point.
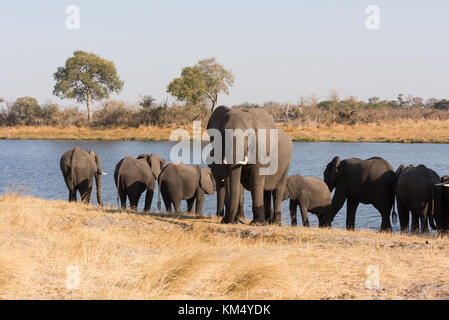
(130, 256)
(408, 131)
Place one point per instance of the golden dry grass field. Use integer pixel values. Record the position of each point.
(408, 131)
(124, 255)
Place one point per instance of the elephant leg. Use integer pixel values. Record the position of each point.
(85, 195)
(199, 202)
(278, 194)
(148, 200)
(385, 225)
(122, 196)
(134, 201)
(220, 198)
(177, 205)
(241, 209)
(293, 207)
(404, 216)
(423, 218)
(190, 203)
(350, 214)
(258, 204)
(167, 202)
(321, 221)
(304, 214)
(72, 195)
(415, 221)
(267, 206)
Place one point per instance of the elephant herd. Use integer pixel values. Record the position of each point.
(418, 191)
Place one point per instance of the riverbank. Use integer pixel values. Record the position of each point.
(133, 256)
(404, 131)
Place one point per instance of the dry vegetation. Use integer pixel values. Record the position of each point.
(129, 256)
(408, 131)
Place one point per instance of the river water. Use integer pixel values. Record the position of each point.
(32, 167)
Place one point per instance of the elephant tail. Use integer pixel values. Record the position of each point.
(159, 206)
(431, 211)
(394, 215)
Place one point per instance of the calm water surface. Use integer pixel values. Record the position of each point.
(34, 166)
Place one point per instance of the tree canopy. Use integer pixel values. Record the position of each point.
(86, 77)
(205, 80)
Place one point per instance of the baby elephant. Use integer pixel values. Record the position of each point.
(312, 195)
(182, 182)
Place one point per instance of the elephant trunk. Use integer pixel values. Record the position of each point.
(232, 186)
(98, 183)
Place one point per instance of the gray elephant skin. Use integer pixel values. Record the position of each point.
(440, 207)
(79, 167)
(312, 195)
(218, 171)
(361, 181)
(133, 176)
(239, 172)
(179, 182)
(413, 188)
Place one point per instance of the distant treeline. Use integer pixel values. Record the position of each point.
(27, 111)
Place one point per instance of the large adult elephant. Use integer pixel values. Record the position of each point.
(440, 207)
(413, 188)
(218, 170)
(133, 176)
(361, 181)
(260, 164)
(79, 167)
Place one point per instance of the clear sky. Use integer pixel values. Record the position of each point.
(278, 50)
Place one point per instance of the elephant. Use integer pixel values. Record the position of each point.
(413, 188)
(440, 205)
(133, 176)
(79, 167)
(361, 181)
(312, 195)
(178, 182)
(265, 175)
(218, 171)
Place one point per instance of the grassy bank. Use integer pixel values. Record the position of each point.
(129, 256)
(407, 131)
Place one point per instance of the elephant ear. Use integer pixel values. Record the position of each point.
(206, 181)
(96, 159)
(157, 164)
(335, 168)
(264, 120)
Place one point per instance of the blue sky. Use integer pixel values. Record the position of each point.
(278, 50)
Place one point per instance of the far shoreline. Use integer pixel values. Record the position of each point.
(400, 131)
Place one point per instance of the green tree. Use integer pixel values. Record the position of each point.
(25, 111)
(442, 105)
(86, 77)
(205, 80)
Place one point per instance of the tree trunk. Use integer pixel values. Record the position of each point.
(89, 111)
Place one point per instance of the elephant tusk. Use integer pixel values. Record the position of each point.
(104, 173)
(244, 162)
(224, 161)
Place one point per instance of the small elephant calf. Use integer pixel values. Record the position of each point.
(179, 182)
(312, 195)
